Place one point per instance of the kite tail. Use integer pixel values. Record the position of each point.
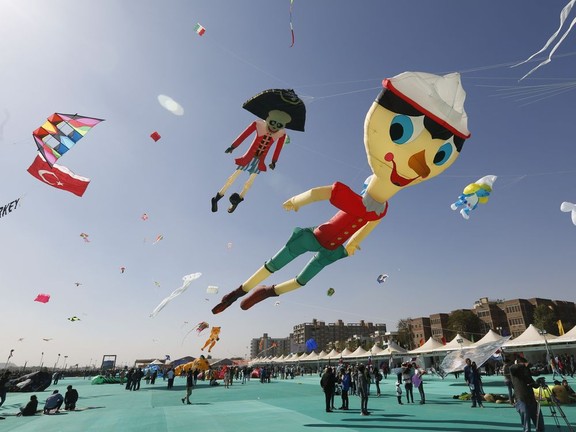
(563, 16)
(292, 27)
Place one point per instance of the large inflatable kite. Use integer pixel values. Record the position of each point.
(32, 382)
(474, 194)
(278, 110)
(211, 341)
(413, 132)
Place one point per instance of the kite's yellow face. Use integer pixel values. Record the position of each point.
(402, 152)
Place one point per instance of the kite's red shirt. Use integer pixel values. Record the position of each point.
(351, 217)
(261, 144)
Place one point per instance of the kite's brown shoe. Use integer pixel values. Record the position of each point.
(261, 293)
(228, 299)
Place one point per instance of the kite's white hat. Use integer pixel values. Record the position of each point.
(439, 97)
(487, 180)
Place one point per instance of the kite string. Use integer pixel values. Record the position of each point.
(291, 26)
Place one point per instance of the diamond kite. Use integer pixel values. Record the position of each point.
(60, 133)
(155, 136)
(42, 298)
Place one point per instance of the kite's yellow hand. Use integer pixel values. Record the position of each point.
(290, 205)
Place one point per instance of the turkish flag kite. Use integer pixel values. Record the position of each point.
(58, 176)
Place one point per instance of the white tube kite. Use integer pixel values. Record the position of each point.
(187, 280)
(563, 16)
(568, 207)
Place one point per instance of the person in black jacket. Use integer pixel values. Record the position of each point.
(70, 398)
(30, 408)
(526, 403)
(328, 384)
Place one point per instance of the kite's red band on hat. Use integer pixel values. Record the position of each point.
(387, 84)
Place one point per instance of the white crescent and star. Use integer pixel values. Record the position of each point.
(42, 173)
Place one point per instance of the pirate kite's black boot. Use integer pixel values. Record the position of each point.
(235, 199)
(215, 200)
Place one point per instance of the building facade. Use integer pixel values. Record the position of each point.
(506, 317)
(338, 335)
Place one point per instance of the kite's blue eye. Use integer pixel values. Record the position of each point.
(401, 129)
(404, 129)
(443, 153)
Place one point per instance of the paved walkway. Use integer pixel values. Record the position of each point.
(291, 405)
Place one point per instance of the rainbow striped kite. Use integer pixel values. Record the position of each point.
(59, 134)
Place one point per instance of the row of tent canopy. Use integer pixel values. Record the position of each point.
(531, 339)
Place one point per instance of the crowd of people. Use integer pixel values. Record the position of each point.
(356, 380)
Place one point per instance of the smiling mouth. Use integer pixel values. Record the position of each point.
(396, 178)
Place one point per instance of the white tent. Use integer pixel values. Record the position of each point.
(333, 354)
(346, 353)
(358, 353)
(454, 344)
(322, 354)
(430, 345)
(530, 337)
(393, 348)
(312, 356)
(375, 351)
(491, 336)
(566, 337)
(305, 356)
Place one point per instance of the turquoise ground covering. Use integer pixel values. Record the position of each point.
(282, 405)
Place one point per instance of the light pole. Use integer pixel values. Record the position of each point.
(9, 357)
(65, 360)
(41, 359)
(499, 329)
(56, 361)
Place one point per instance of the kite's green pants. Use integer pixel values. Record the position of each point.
(303, 240)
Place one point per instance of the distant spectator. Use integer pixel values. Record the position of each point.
(170, 376)
(53, 402)
(189, 385)
(30, 408)
(70, 398)
(4, 378)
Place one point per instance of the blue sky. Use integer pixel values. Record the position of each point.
(111, 59)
